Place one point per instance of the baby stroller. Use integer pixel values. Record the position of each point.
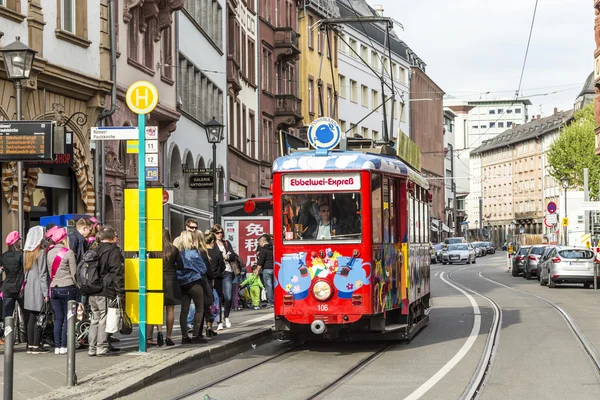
(82, 326)
(244, 299)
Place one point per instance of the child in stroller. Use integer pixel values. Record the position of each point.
(244, 299)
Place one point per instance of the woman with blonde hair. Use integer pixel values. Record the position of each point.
(36, 289)
(190, 282)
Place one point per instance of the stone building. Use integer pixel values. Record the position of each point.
(72, 94)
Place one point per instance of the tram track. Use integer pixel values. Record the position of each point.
(320, 393)
(582, 340)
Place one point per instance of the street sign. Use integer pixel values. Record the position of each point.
(114, 133)
(152, 146)
(197, 170)
(167, 197)
(26, 140)
(151, 160)
(565, 222)
(204, 181)
(521, 230)
(551, 207)
(142, 97)
(551, 219)
(152, 174)
(152, 132)
(590, 205)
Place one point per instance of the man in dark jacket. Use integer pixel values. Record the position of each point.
(265, 264)
(78, 238)
(112, 270)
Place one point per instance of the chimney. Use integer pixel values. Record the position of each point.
(378, 9)
(555, 111)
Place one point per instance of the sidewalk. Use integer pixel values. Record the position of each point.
(44, 376)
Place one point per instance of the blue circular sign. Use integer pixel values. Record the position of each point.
(324, 133)
(551, 207)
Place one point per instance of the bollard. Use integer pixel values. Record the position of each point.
(71, 320)
(9, 347)
(595, 276)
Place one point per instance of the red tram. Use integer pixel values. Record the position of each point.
(351, 234)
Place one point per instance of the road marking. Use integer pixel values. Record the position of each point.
(436, 274)
(424, 388)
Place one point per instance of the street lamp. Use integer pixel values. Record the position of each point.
(565, 184)
(18, 61)
(214, 135)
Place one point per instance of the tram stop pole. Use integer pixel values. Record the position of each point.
(9, 347)
(71, 320)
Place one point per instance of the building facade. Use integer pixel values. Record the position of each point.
(515, 181)
(364, 64)
(243, 96)
(145, 50)
(199, 65)
(72, 94)
(280, 106)
(427, 131)
(318, 63)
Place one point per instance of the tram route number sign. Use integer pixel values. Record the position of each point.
(201, 181)
(26, 140)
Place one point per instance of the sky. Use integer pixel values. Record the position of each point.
(472, 47)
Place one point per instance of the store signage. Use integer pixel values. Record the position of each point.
(186, 170)
(320, 182)
(201, 181)
(26, 140)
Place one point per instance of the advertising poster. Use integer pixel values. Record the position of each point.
(243, 233)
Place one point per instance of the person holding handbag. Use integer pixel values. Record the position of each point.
(14, 277)
(36, 289)
(62, 267)
(232, 269)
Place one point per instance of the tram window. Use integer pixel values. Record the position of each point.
(393, 211)
(315, 216)
(426, 222)
(376, 215)
(386, 210)
(411, 218)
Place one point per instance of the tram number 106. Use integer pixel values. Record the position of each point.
(323, 307)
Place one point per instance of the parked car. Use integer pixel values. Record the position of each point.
(567, 264)
(491, 248)
(459, 253)
(533, 258)
(519, 259)
(542, 261)
(438, 251)
(480, 249)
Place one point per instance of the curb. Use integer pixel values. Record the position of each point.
(173, 367)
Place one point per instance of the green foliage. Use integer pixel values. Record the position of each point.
(574, 150)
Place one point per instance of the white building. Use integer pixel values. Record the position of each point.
(360, 90)
(201, 95)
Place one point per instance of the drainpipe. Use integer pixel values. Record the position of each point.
(107, 113)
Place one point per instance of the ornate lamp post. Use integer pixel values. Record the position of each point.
(565, 184)
(214, 135)
(18, 62)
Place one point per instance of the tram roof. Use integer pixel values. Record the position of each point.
(346, 160)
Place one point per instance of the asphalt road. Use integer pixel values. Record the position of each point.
(537, 354)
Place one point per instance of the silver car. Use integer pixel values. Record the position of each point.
(532, 259)
(568, 265)
(458, 253)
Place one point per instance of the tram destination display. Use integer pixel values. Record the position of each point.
(26, 140)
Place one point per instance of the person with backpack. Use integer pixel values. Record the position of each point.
(36, 288)
(102, 275)
(78, 238)
(62, 267)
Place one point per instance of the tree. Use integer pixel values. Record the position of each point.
(574, 150)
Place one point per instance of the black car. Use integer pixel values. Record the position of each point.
(491, 248)
(519, 260)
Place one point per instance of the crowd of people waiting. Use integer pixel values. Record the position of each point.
(201, 273)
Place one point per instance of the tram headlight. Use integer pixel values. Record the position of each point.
(322, 290)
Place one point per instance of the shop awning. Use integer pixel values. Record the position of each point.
(445, 227)
(435, 225)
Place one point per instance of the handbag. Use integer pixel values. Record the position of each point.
(126, 324)
(22, 290)
(43, 317)
(113, 316)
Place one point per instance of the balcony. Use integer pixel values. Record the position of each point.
(233, 75)
(286, 45)
(519, 216)
(288, 112)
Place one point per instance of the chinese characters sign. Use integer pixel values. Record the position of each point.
(244, 234)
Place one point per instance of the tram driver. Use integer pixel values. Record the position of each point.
(325, 226)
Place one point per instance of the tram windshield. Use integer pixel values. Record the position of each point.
(317, 216)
